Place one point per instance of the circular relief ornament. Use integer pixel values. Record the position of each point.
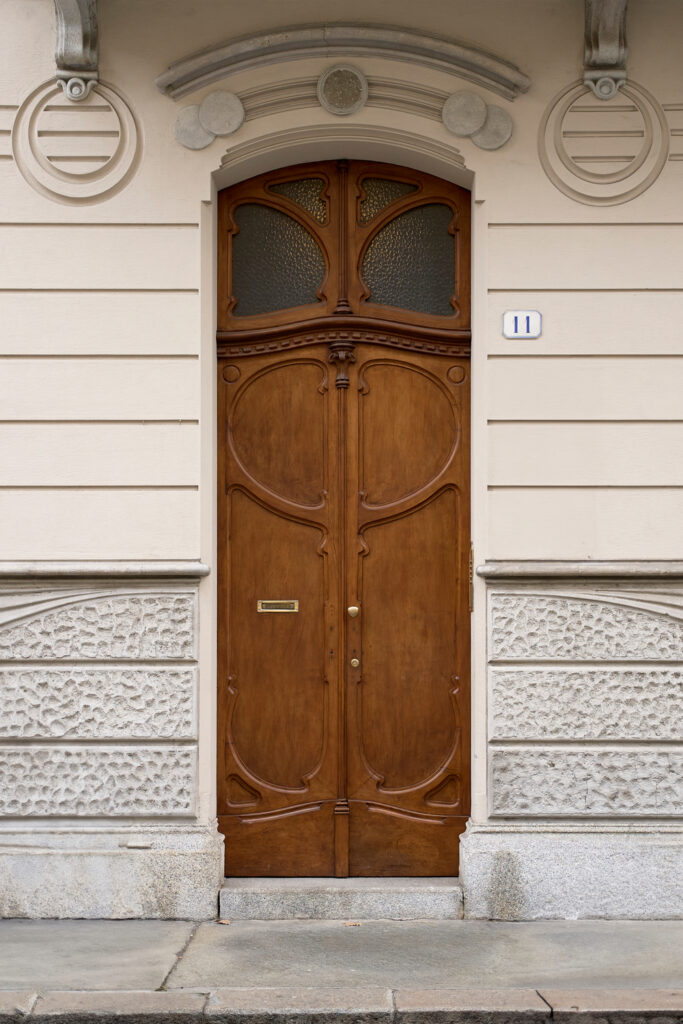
(603, 152)
(342, 90)
(76, 152)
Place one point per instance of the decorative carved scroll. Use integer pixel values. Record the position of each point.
(605, 46)
(76, 50)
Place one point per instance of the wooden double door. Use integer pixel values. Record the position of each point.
(343, 616)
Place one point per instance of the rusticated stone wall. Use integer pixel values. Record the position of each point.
(98, 691)
(586, 701)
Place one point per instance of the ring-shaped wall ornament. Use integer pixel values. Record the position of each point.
(76, 153)
(630, 131)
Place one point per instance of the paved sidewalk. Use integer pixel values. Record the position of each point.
(316, 972)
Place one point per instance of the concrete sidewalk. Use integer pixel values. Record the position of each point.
(386, 972)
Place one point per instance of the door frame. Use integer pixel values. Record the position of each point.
(412, 151)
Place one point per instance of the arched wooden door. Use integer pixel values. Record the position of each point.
(343, 342)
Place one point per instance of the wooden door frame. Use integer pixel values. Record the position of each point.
(339, 321)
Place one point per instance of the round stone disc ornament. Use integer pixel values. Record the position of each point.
(342, 90)
(495, 131)
(463, 113)
(189, 130)
(221, 112)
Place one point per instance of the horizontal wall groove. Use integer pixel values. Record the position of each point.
(585, 355)
(96, 224)
(96, 663)
(526, 289)
(614, 743)
(586, 224)
(100, 355)
(98, 486)
(100, 291)
(92, 741)
(589, 667)
(586, 422)
(584, 487)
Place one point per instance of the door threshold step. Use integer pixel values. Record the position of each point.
(341, 899)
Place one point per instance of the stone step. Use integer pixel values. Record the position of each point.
(341, 899)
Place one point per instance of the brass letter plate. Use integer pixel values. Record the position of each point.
(277, 606)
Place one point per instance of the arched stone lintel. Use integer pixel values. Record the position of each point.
(352, 141)
(202, 69)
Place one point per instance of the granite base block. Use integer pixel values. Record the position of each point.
(530, 873)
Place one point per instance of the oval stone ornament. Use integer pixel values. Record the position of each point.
(495, 131)
(221, 112)
(189, 131)
(463, 113)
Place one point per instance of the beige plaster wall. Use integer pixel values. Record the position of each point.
(107, 435)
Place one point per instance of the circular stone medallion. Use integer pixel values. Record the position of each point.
(221, 112)
(342, 90)
(496, 129)
(463, 113)
(189, 130)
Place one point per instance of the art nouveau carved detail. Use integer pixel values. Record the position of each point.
(76, 51)
(605, 46)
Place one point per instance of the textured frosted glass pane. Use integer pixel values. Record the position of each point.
(379, 192)
(276, 264)
(410, 261)
(306, 192)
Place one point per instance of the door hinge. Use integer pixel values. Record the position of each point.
(471, 577)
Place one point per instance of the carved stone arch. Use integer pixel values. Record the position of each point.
(285, 45)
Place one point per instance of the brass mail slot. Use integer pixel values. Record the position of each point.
(277, 606)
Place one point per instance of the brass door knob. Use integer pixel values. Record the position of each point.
(355, 663)
(353, 610)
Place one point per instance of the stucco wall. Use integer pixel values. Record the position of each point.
(107, 439)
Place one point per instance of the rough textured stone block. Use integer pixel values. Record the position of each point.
(92, 781)
(299, 1006)
(590, 703)
(87, 623)
(167, 871)
(576, 627)
(98, 703)
(541, 782)
(469, 1006)
(131, 1007)
(616, 1006)
(547, 872)
(389, 899)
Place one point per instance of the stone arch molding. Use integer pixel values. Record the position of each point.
(345, 41)
(341, 88)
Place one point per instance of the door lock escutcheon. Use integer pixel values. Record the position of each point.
(355, 663)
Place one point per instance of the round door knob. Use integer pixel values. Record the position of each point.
(355, 663)
(353, 610)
